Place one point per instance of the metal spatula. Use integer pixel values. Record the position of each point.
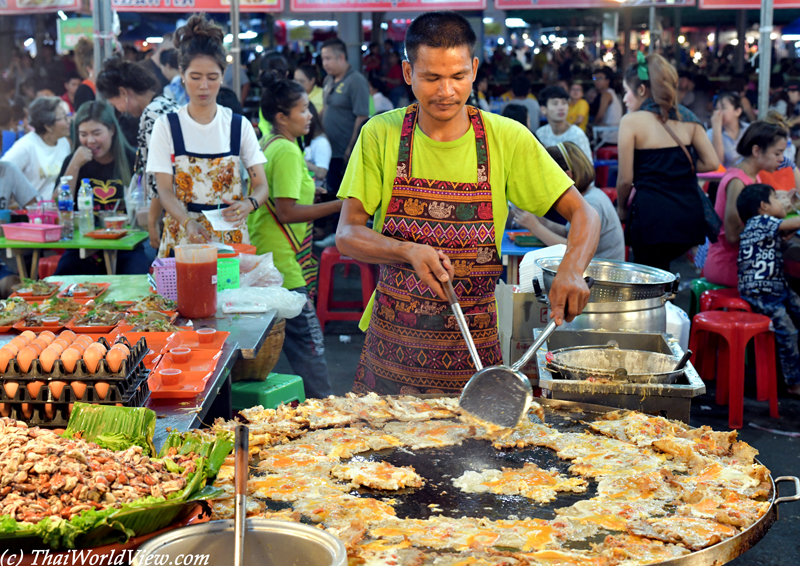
(242, 471)
(499, 395)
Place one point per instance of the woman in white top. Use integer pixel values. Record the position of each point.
(317, 151)
(609, 113)
(195, 152)
(39, 154)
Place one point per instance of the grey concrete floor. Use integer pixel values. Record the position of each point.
(780, 453)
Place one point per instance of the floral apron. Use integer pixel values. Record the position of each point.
(201, 182)
(413, 344)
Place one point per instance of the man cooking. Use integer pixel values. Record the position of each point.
(437, 177)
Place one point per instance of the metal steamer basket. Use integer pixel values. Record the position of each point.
(625, 296)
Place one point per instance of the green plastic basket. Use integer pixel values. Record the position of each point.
(227, 273)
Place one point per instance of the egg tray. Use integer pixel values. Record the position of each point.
(61, 411)
(129, 371)
(119, 392)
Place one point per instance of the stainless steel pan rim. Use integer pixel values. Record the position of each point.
(582, 372)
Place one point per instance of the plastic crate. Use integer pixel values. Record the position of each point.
(276, 390)
(27, 232)
(166, 276)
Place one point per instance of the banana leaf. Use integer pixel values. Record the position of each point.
(215, 448)
(115, 428)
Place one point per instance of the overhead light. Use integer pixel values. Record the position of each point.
(228, 39)
(773, 36)
(580, 37)
(229, 58)
(155, 39)
(500, 41)
(524, 36)
(323, 23)
(579, 45)
(296, 23)
(536, 51)
(259, 48)
(62, 15)
(516, 23)
(488, 20)
(734, 41)
(710, 37)
(384, 25)
(681, 39)
(551, 37)
(752, 39)
(529, 43)
(28, 42)
(786, 37)
(144, 44)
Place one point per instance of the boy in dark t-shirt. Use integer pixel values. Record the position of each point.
(761, 279)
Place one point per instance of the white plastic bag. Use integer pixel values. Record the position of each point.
(262, 299)
(258, 271)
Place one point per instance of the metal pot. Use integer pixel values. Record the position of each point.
(633, 366)
(268, 543)
(625, 296)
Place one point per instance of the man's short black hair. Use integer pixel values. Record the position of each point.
(516, 112)
(552, 92)
(337, 45)
(748, 204)
(607, 72)
(520, 86)
(439, 30)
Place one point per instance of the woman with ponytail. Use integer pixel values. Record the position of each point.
(662, 147)
(195, 152)
(283, 226)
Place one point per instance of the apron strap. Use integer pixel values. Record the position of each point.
(236, 134)
(177, 134)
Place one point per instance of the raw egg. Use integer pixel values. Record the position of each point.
(70, 358)
(68, 335)
(48, 358)
(11, 389)
(19, 342)
(61, 342)
(102, 389)
(37, 347)
(92, 357)
(6, 355)
(49, 411)
(30, 335)
(57, 347)
(99, 347)
(79, 388)
(5, 409)
(27, 410)
(11, 347)
(85, 340)
(114, 358)
(25, 358)
(33, 389)
(122, 347)
(56, 388)
(47, 334)
(78, 347)
(40, 342)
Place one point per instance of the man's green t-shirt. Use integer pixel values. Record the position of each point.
(521, 170)
(287, 176)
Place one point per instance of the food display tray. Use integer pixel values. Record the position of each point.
(38, 298)
(20, 327)
(190, 339)
(83, 299)
(71, 325)
(200, 361)
(90, 304)
(129, 371)
(190, 384)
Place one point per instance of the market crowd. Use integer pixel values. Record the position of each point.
(166, 124)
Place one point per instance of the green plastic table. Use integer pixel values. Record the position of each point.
(86, 246)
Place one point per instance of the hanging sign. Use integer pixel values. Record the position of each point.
(385, 5)
(749, 4)
(571, 4)
(195, 5)
(71, 30)
(27, 7)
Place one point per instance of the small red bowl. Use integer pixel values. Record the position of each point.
(206, 335)
(181, 355)
(169, 376)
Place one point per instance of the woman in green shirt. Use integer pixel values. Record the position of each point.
(283, 225)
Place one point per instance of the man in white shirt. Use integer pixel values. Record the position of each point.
(521, 89)
(555, 105)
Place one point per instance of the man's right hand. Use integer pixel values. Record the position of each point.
(433, 267)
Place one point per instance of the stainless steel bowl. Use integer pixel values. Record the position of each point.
(617, 281)
(584, 362)
(268, 543)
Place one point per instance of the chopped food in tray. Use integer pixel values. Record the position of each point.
(85, 290)
(57, 305)
(154, 303)
(13, 310)
(36, 319)
(97, 317)
(111, 307)
(29, 287)
(152, 322)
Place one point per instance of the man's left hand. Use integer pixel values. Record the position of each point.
(569, 295)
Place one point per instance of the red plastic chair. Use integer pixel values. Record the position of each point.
(714, 300)
(345, 310)
(611, 193)
(47, 265)
(736, 329)
(608, 152)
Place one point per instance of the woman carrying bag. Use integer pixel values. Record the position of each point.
(195, 152)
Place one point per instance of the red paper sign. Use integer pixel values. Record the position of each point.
(21, 7)
(569, 4)
(194, 5)
(750, 4)
(385, 5)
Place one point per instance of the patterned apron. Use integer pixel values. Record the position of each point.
(201, 182)
(413, 344)
(301, 248)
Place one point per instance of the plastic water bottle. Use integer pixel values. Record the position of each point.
(86, 207)
(65, 209)
(135, 201)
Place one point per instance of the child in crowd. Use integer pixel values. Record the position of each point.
(761, 279)
(579, 168)
(555, 103)
(578, 114)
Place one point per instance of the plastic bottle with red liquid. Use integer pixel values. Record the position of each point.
(196, 267)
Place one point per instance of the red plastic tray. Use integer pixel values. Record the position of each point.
(200, 360)
(20, 327)
(107, 234)
(38, 298)
(83, 299)
(190, 384)
(89, 305)
(189, 339)
(92, 329)
(156, 341)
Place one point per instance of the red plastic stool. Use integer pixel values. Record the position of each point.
(611, 193)
(47, 265)
(608, 152)
(349, 310)
(737, 329)
(718, 299)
